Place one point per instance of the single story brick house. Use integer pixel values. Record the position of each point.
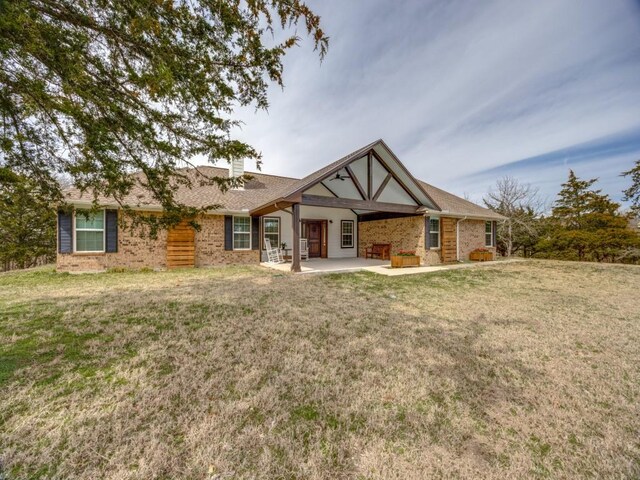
(341, 209)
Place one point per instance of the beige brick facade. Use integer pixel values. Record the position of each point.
(136, 252)
(210, 246)
(471, 233)
(402, 233)
(408, 234)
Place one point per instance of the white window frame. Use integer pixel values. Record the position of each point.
(103, 229)
(490, 233)
(353, 233)
(431, 247)
(233, 227)
(265, 233)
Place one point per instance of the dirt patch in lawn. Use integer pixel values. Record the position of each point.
(519, 370)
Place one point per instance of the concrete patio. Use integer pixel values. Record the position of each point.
(381, 267)
(329, 265)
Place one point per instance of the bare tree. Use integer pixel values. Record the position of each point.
(520, 203)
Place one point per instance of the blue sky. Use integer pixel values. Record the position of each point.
(464, 92)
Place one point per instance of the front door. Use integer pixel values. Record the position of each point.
(314, 238)
(315, 231)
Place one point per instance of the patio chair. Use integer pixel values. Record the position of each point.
(274, 254)
(304, 249)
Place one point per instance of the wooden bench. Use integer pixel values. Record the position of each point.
(380, 250)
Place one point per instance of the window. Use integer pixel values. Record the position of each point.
(346, 233)
(89, 235)
(271, 231)
(242, 233)
(488, 234)
(434, 233)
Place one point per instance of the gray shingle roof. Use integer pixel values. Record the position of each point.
(455, 205)
(257, 191)
(264, 188)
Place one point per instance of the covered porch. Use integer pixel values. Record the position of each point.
(328, 207)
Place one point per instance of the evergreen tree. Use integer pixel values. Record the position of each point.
(27, 222)
(632, 193)
(96, 89)
(586, 225)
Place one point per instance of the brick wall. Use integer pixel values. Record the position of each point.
(402, 233)
(210, 246)
(405, 233)
(471, 233)
(408, 234)
(135, 252)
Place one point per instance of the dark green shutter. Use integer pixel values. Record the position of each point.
(228, 232)
(111, 231)
(65, 232)
(493, 233)
(255, 233)
(427, 237)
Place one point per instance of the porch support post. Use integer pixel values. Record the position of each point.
(295, 261)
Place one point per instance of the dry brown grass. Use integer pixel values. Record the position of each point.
(520, 370)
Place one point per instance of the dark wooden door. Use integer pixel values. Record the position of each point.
(314, 238)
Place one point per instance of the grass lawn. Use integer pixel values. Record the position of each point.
(527, 369)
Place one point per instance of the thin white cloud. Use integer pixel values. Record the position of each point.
(457, 87)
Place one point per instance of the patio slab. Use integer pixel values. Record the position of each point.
(381, 267)
(329, 265)
(393, 272)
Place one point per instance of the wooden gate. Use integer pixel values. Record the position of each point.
(181, 246)
(449, 243)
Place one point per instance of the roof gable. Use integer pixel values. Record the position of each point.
(372, 173)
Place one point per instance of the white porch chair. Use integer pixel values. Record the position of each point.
(274, 254)
(304, 249)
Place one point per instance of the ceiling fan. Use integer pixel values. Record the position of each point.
(339, 177)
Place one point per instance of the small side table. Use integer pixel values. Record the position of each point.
(287, 253)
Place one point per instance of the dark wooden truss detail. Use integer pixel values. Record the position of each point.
(320, 201)
(369, 217)
(370, 176)
(382, 185)
(397, 179)
(333, 193)
(355, 181)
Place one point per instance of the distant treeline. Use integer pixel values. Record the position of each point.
(584, 224)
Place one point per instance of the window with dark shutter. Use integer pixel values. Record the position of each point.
(493, 233)
(228, 232)
(255, 233)
(427, 243)
(65, 232)
(111, 231)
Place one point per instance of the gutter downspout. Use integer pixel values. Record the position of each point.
(458, 237)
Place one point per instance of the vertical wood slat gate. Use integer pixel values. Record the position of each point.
(449, 244)
(181, 246)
